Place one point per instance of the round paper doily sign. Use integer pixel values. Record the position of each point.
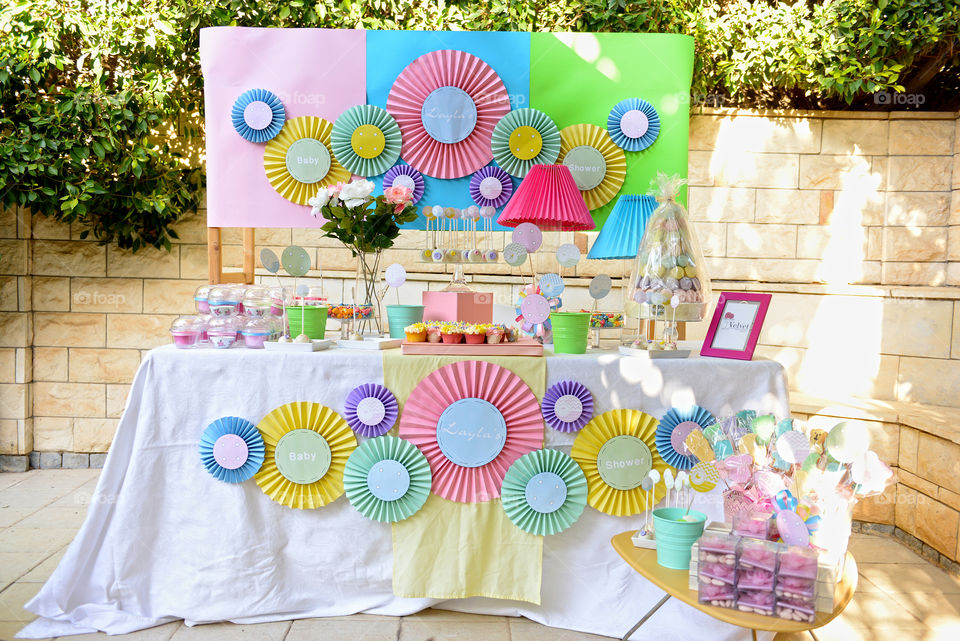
(269, 260)
(302, 456)
(587, 165)
(388, 480)
(551, 284)
(600, 286)
(528, 235)
(449, 114)
(634, 123)
(308, 160)
(230, 451)
(679, 436)
(491, 188)
(403, 180)
(258, 115)
(395, 275)
(623, 461)
(546, 492)
(535, 309)
(568, 255)
(295, 260)
(370, 410)
(568, 408)
(471, 432)
(525, 142)
(514, 254)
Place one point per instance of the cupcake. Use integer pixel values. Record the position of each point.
(433, 333)
(494, 334)
(451, 333)
(416, 333)
(475, 334)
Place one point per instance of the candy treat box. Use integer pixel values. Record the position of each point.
(471, 307)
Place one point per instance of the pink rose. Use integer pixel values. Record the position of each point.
(398, 195)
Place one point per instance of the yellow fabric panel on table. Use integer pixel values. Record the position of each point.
(452, 550)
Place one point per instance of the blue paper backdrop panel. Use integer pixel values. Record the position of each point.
(579, 78)
(389, 53)
(314, 72)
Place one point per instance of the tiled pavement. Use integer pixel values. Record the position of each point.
(901, 596)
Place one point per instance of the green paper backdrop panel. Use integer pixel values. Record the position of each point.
(578, 78)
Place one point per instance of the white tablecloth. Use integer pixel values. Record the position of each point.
(163, 541)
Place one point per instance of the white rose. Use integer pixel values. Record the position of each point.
(356, 193)
(318, 201)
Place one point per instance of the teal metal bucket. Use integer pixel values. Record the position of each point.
(675, 537)
(399, 316)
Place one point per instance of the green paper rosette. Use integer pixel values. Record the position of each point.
(544, 492)
(387, 479)
(366, 140)
(524, 138)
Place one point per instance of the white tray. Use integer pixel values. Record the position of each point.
(315, 345)
(684, 350)
(371, 343)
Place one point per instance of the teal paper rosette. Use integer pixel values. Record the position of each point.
(524, 138)
(544, 492)
(366, 140)
(387, 479)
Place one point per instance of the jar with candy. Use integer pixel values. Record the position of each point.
(222, 331)
(200, 296)
(257, 301)
(669, 282)
(256, 331)
(222, 301)
(186, 331)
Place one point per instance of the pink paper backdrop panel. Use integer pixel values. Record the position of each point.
(314, 72)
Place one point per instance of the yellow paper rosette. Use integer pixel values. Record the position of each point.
(616, 450)
(598, 165)
(299, 160)
(307, 446)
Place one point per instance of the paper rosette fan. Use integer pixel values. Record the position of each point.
(491, 187)
(633, 124)
(387, 479)
(673, 430)
(447, 103)
(370, 409)
(616, 450)
(307, 446)
(257, 115)
(472, 420)
(524, 138)
(544, 492)
(299, 161)
(231, 449)
(567, 406)
(405, 176)
(597, 164)
(366, 140)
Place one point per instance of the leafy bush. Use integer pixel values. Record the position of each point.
(88, 87)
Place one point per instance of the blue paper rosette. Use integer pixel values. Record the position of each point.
(544, 492)
(231, 449)
(633, 124)
(387, 479)
(672, 432)
(258, 115)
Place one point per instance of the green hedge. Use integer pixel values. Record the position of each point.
(83, 84)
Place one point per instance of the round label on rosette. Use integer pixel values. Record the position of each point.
(546, 492)
(367, 141)
(525, 142)
(679, 436)
(403, 180)
(514, 254)
(587, 165)
(230, 451)
(535, 308)
(491, 188)
(528, 235)
(302, 456)
(388, 480)
(308, 160)
(471, 432)
(624, 461)
(371, 410)
(568, 255)
(568, 408)
(634, 123)
(449, 114)
(258, 115)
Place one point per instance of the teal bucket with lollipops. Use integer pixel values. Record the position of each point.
(676, 531)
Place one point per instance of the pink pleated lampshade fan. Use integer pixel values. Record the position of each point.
(548, 197)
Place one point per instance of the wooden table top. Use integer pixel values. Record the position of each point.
(676, 584)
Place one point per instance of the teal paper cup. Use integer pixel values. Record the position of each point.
(399, 316)
(676, 537)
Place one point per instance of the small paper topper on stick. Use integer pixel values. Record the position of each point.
(514, 254)
(269, 260)
(528, 235)
(551, 285)
(296, 260)
(568, 255)
(793, 447)
(847, 441)
(704, 477)
(395, 275)
(600, 286)
(698, 445)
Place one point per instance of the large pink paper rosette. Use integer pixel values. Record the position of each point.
(472, 420)
(447, 104)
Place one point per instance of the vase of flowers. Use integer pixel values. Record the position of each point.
(366, 225)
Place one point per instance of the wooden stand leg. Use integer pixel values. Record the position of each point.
(214, 255)
(646, 616)
(249, 242)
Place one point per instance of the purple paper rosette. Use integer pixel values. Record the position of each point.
(411, 175)
(480, 190)
(567, 406)
(371, 409)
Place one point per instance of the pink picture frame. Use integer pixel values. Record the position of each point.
(736, 325)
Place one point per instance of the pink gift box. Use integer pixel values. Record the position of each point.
(470, 307)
